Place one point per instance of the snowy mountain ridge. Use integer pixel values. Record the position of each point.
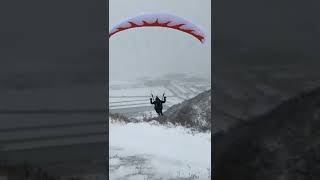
(194, 113)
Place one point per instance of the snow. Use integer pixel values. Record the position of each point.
(128, 106)
(140, 91)
(152, 151)
(133, 92)
(138, 103)
(127, 98)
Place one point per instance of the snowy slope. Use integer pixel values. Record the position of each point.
(195, 112)
(152, 151)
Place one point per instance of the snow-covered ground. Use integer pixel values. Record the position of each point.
(139, 151)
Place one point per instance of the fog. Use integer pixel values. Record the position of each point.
(152, 52)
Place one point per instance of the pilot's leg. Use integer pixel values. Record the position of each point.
(157, 110)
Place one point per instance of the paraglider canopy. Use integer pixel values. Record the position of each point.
(160, 20)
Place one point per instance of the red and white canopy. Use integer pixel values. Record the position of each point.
(160, 20)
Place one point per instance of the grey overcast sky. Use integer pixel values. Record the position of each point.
(157, 51)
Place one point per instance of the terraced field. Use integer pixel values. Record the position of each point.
(133, 99)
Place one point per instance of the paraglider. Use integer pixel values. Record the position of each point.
(158, 103)
(161, 20)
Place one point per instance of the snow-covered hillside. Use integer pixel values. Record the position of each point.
(151, 151)
(194, 113)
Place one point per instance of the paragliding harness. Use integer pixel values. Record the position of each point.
(158, 103)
